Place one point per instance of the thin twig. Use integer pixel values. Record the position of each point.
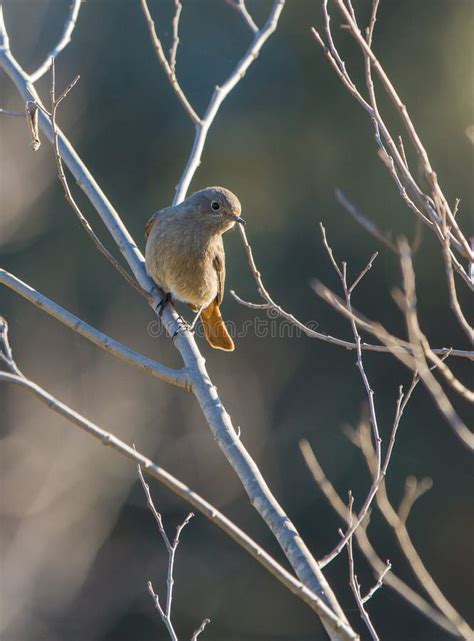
(175, 44)
(200, 629)
(168, 69)
(55, 103)
(6, 353)
(63, 42)
(270, 303)
(240, 7)
(7, 112)
(381, 469)
(414, 599)
(377, 585)
(397, 522)
(354, 583)
(405, 117)
(453, 296)
(394, 159)
(166, 620)
(416, 340)
(405, 353)
(171, 550)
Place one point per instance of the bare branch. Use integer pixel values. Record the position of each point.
(341, 629)
(175, 25)
(377, 585)
(121, 351)
(440, 364)
(398, 525)
(380, 470)
(171, 549)
(200, 629)
(404, 352)
(62, 44)
(355, 586)
(240, 7)
(394, 159)
(220, 94)
(153, 510)
(6, 354)
(166, 620)
(7, 112)
(409, 303)
(167, 67)
(270, 303)
(391, 579)
(453, 296)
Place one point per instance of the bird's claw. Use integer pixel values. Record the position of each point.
(162, 304)
(184, 326)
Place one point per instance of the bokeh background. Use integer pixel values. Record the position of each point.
(77, 543)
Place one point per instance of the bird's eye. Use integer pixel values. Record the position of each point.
(215, 205)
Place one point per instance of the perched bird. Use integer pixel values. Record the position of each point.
(186, 259)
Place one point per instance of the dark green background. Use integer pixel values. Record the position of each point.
(283, 140)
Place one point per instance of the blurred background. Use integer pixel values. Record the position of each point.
(77, 542)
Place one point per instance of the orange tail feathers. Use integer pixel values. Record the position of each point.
(215, 329)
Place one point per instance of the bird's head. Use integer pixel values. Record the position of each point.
(217, 208)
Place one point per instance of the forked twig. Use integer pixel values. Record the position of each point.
(414, 599)
(171, 547)
(354, 583)
(269, 303)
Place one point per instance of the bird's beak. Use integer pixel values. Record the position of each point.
(236, 218)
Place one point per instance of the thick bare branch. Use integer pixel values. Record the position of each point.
(121, 351)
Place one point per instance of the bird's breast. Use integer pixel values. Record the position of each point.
(180, 261)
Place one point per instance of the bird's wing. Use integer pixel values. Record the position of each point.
(219, 266)
(150, 223)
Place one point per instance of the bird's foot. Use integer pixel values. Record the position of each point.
(183, 326)
(162, 304)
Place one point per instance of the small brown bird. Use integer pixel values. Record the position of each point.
(186, 259)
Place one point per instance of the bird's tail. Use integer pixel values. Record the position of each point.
(215, 329)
